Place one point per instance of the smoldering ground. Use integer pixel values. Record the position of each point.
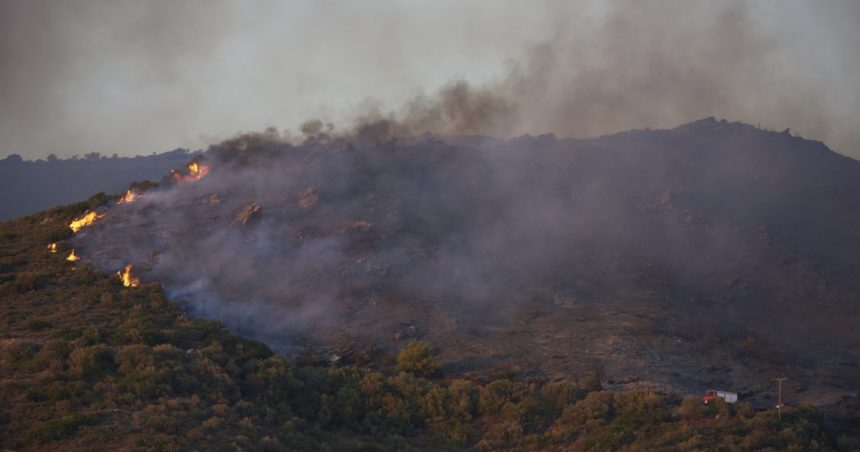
(628, 250)
(339, 239)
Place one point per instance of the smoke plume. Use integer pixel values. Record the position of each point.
(346, 239)
(115, 76)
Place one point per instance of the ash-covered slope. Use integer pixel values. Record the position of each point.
(714, 254)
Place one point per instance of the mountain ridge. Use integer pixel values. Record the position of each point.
(684, 256)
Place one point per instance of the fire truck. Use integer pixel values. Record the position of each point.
(713, 394)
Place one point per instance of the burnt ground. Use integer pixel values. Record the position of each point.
(714, 255)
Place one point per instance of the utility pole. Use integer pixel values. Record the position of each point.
(779, 397)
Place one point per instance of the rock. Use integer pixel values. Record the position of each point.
(405, 331)
(308, 198)
(212, 200)
(247, 214)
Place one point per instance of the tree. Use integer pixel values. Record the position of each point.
(13, 158)
(417, 358)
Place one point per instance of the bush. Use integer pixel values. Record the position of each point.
(692, 407)
(558, 394)
(98, 200)
(14, 352)
(92, 362)
(58, 428)
(417, 359)
(496, 395)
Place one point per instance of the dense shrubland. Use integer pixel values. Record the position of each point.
(87, 363)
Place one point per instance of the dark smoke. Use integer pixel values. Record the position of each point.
(114, 76)
(637, 68)
(438, 219)
(343, 239)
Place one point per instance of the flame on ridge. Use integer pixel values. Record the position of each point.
(128, 197)
(196, 172)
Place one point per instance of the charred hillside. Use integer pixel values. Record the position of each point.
(713, 254)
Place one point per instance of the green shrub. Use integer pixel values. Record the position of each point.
(496, 395)
(56, 429)
(692, 407)
(416, 358)
(53, 355)
(558, 394)
(98, 200)
(16, 352)
(92, 362)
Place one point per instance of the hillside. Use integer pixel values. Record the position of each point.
(657, 263)
(87, 363)
(30, 186)
(713, 254)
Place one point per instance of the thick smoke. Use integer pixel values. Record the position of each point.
(341, 239)
(357, 231)
(573, 68)
(636, 68)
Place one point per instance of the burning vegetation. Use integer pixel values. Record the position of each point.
(196, 171)
(128, 197)
(350, 247)
(86, 220)
(472, 243)
(133, 357)
(72, 257)
(127, 279)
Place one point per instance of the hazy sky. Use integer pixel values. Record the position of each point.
(134, 77)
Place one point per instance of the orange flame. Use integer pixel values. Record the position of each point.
(81, 222)
(128, 197)
(127, 279)
(196, 172)
(52, 248)
(73, 257)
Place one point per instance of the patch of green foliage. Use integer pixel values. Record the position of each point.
(417, 358)
(86, 363)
